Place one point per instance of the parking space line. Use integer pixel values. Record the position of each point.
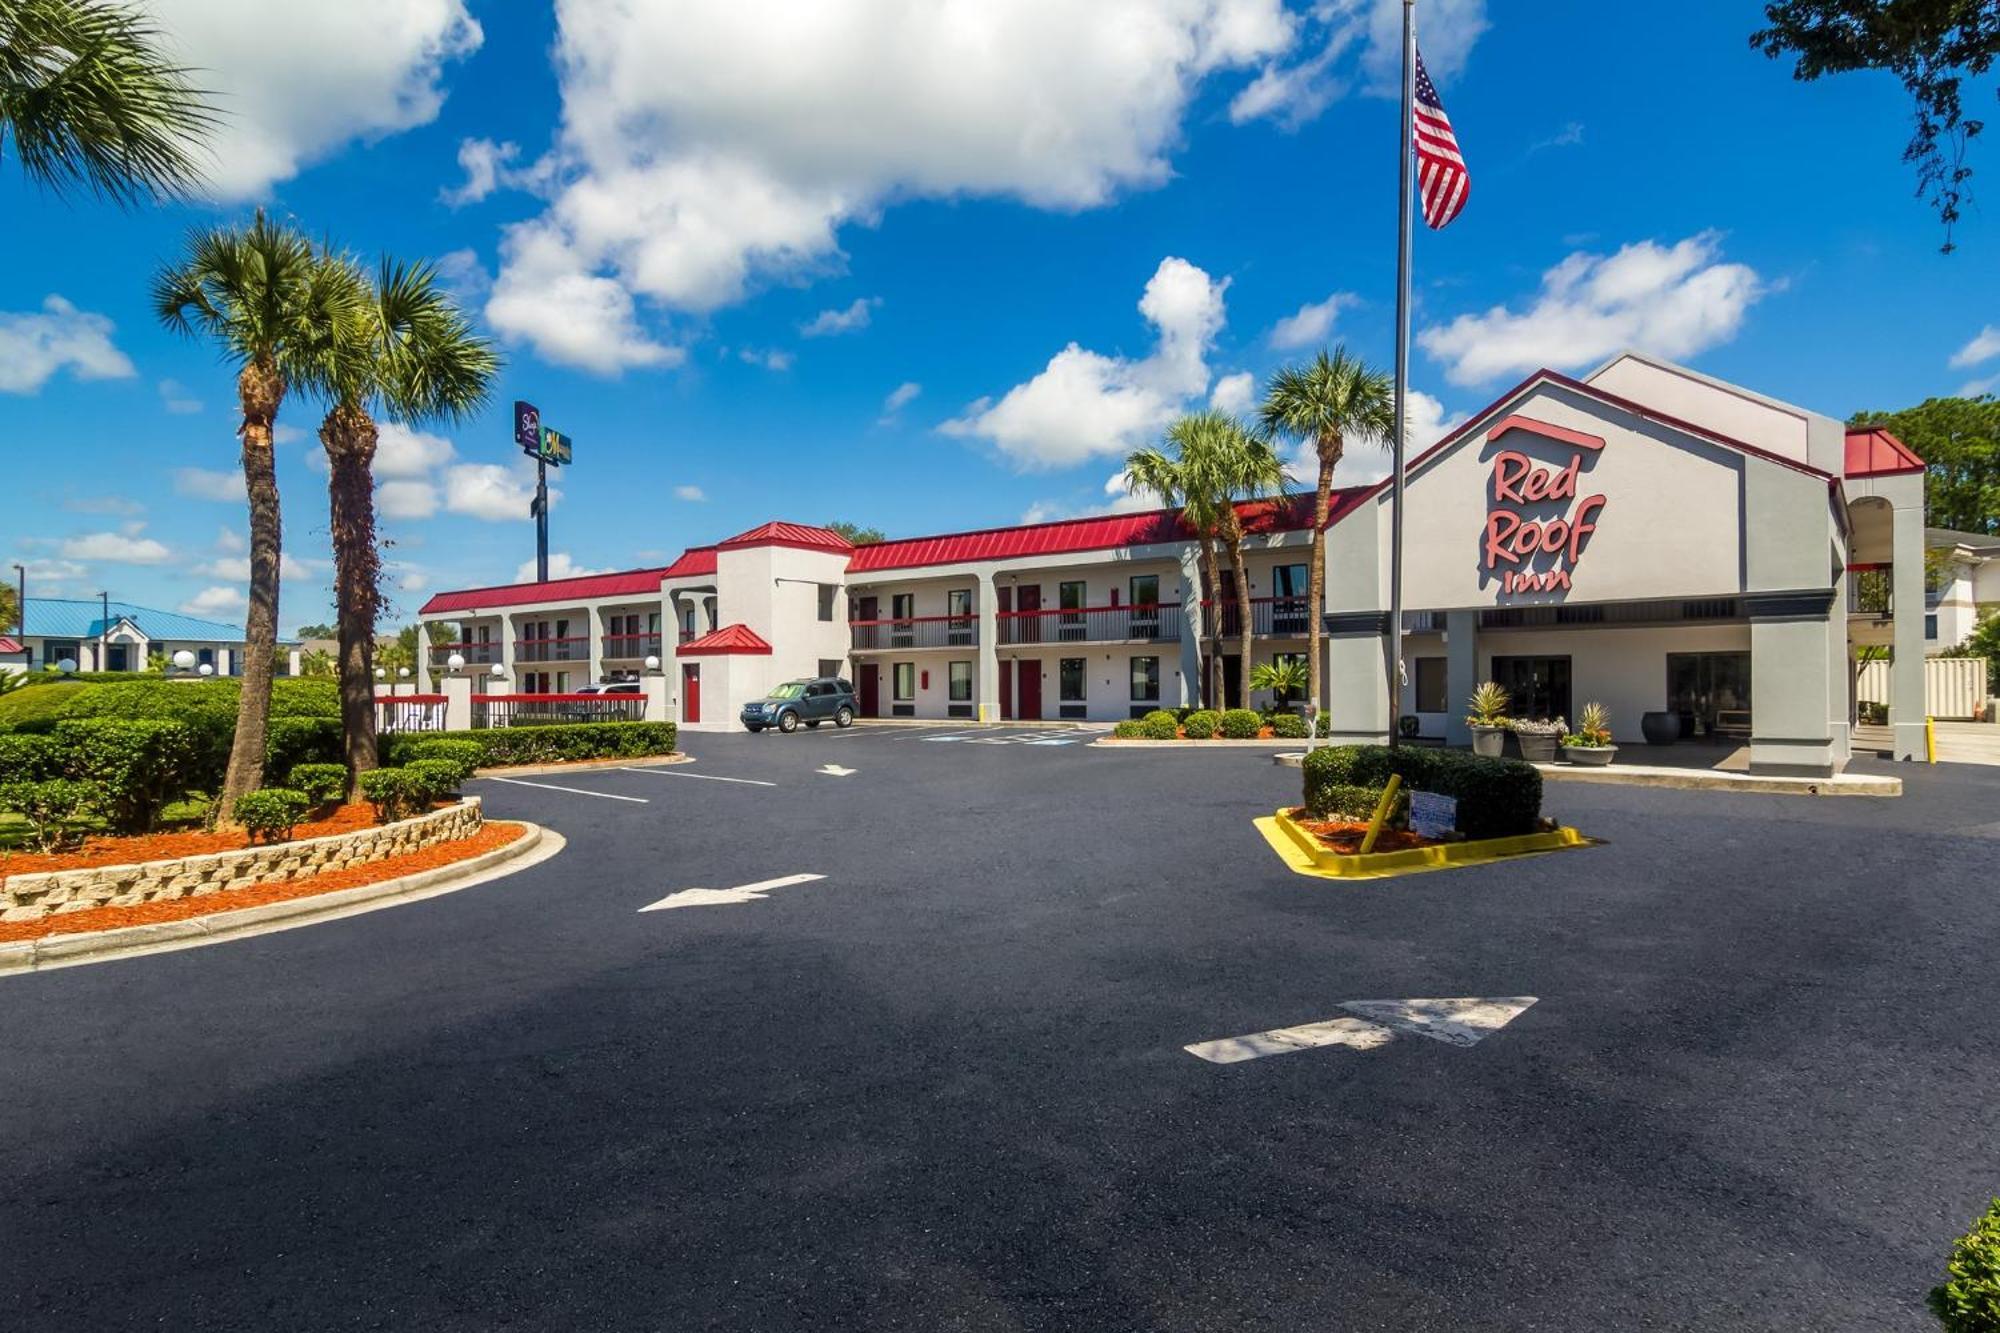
(705, 777)
(574, 791)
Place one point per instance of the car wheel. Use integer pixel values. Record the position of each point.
(788, 722)
(844, 718)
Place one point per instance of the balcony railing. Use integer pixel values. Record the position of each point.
(1871, 590)
(478, 654)
(571, 649)
(1091, 624)
(520, 710)
(410, 712)
(1270, 617)
(634, 646)
(915, 632)
(685, 636)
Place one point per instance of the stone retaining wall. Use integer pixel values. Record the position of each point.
(30, 897)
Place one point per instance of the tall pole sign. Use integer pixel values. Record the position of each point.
(548, 448)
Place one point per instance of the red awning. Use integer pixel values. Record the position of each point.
(728, 639)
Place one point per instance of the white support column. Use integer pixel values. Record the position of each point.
(424, 672)
(1190, 581)
(1907, 703)
(513, 682)
(457, 691)
(653, 684)
(1461, 672)
(1791, 703)
(1357, 664)
(593, 625)
(987, 676)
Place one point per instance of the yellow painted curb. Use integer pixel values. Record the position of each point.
(1303, 854)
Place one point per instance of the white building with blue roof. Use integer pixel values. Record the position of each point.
(118, 636)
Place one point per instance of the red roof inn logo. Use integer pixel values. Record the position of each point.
(1537, 554)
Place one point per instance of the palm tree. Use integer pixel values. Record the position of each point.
(259, 293)
(406, 350)
(89, 99)
(1152, 472)
(1239, 465)
(1323, 403)
(1282, 679)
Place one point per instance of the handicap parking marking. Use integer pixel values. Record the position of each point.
(574, 791)
(705, 777)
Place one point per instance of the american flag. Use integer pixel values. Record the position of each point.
(1442, 181)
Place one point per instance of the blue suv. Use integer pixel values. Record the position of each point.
(809, 701)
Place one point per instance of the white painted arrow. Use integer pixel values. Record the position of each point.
(1457, 1021)
(742, 893)
(836, 771)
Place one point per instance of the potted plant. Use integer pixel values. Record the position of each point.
(1660, 728)
(1537, 738)
(1591, 743)
(1488, 719)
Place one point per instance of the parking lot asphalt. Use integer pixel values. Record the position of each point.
(944, 1087)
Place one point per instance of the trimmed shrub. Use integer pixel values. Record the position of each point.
(137, 766)
(1358, 804)
(1968, 1300)
(430, 780)
(1200, 724)
(551, 744)
(1131, 729)
(1288, 726)
(1162, 715)
(292, 741)
(49, 807)
(465, 755)
(323, 784)
(388, 790)
(1159, 727)
(1241, 724)
(272, 813)
(1497, 798)
(28, 758)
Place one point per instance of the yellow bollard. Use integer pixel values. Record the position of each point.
(1382, 809)
(1930, 740)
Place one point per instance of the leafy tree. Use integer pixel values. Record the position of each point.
(88, 98)
(260, 294)
(10, 606)
(403, 347)
(1931, 45)
(316, 631)
(1323, 403)
(857, 534)
(1984, 641)
(1959, 441)
(317, 662)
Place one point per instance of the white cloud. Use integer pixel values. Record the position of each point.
(295, 83)
(406, 499)
(1673, 301)
(1568, 136)
(706, 149)
(491, 492)
(123, 548)
(1234, 393)
(219, 600)
(849, 319)
(283, 434)
(229, 541)
(237, 567)
(464, 276)
(485, 164)
(103, 504)
(693, 494)
(34, 345)
(402, 452)
(1984, 346)
(200, 483)
(48, 575)
(177, 399)
(1085, 403)
(1310, 324)
(900, 397)
(1295, 89)
(561, 566)
(772, 359)
(1366, 459)
(412, 579)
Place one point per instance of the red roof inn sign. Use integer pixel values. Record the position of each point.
(1538, 553)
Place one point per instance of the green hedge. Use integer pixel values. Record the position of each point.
(1968, 1300)
(464, 756)
(137, 766)
(49, 807)
(1201, 723)
(389, 791)
(501, 746)
(1155, 726)
(272, 813)
(1241, 724)
(323, 784)
(27, 758)
(1288, 726)
(1497, 798)
(1358, 804)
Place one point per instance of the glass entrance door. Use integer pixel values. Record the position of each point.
(1537, 687)
(1702, 685)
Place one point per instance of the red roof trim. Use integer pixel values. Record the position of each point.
(695, 562)
(11, 646)
(1872, 451)
(1560, 434)
(728, 639)
(583, 588)
(778, 533)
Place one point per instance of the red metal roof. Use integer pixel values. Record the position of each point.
(695, 562)
(10, 646)
(631, 582)
(1874, 452)
(728, 639)
(1067, 536)
(788, 534)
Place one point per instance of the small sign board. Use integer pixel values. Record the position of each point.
(527, 426)
(555, 447)
(1432, 815)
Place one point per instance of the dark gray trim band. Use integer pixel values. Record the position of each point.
(1355, 622)
(1790, 740)
(1800, 603)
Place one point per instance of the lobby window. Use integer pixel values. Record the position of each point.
(1145, 680)
(826, 596)
(1070, 678)
(1430, 693)
(903, 681)
(958, 676)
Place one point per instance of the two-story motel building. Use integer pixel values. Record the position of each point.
(1647, 537)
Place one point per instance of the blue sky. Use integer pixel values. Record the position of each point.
(715, 247)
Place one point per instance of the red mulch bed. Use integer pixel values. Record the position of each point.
(107, 850)
(491, 837)
(1344, 836)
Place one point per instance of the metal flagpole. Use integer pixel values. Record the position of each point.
(1404, 148)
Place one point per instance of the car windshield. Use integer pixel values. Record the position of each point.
(791, 689)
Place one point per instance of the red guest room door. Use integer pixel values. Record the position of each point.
(871, 690)
(690, 692)
(1028, 678)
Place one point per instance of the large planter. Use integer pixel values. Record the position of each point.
(1537, 749)
(1660, 728)
(1489, 741)
(1590, 756)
